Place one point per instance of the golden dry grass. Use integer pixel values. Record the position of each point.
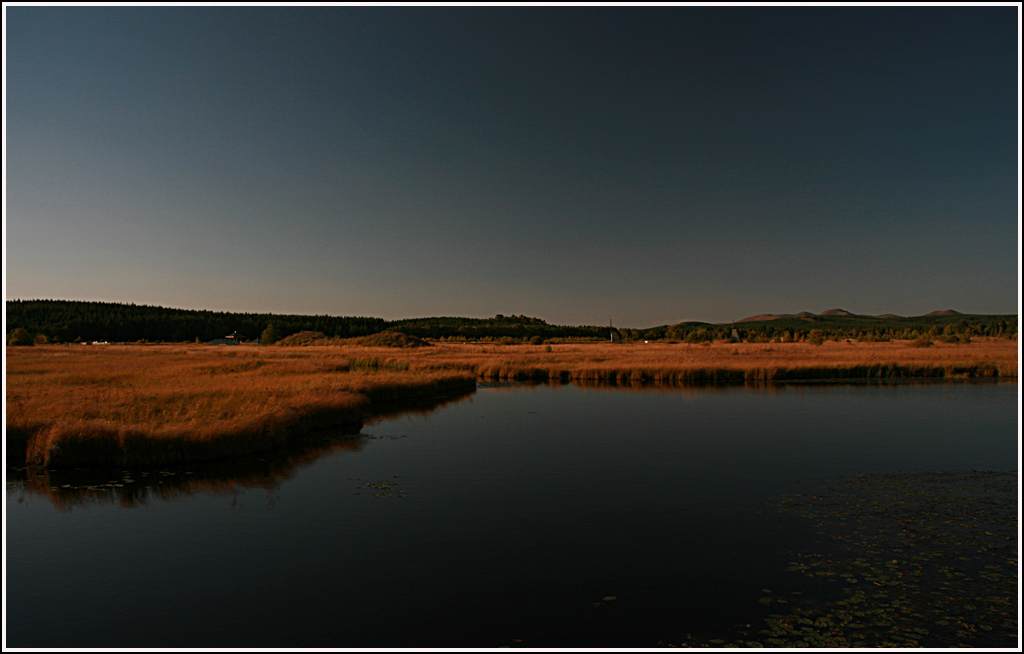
(126, 405)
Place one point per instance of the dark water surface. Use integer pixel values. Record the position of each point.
(509, 515)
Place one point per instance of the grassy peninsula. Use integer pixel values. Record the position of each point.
(134, 405)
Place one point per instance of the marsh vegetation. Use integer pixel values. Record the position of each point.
(140, 405)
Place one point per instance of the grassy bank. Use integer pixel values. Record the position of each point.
(156, 405)
(714, 363)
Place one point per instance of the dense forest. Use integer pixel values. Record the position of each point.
(65, 321)
(818, 328)
(499, 327)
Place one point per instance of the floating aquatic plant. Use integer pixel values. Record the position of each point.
(928, 559)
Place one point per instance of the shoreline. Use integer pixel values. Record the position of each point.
(157, 405)
(726, 376)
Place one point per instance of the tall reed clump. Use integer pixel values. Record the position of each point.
(376, 363)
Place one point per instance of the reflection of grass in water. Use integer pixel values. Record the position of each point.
(927, 559)
(72, 488)
(69, 488)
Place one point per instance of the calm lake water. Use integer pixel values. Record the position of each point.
(497, 520)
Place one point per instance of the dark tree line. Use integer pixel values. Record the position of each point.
(65, 321)
(514, 327)
(959, 327)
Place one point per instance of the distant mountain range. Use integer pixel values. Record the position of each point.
(807, 315)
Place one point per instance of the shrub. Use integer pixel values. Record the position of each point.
(700, 335)
(20, 337)
(922, 341)
(391, 339)
(305, 338)
(537, 340)
(870, 337)
(269, 335)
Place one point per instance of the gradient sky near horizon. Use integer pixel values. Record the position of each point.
(580, 165)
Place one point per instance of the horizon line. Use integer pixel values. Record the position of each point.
(768, 316)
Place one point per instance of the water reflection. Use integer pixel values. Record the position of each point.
(754, 386)
(131, 488)
(523, 507)
(81, 487)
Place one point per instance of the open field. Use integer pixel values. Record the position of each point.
(138, 405)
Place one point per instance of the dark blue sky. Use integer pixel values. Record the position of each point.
(581, 165)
